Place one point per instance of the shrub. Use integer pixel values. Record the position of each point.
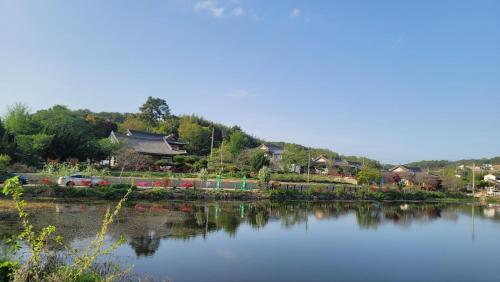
(6, 269)
(264, 177)
(34, 267)
(4, 162)
(161, 163)
(21, 168)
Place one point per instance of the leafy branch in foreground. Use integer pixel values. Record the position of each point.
(80, 266)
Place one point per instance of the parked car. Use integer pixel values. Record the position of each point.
(8, 175)
(79, 180)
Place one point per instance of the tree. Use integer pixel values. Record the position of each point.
(100, 127)
(294, 155)
(126, 157)
(133, 122)
(259, 160)
(154, 111)
(7, 145)
(2, 129)
(221, 159)
(72, 134)
(198, 136)
(452, 183)
(107, 147)
(19, 121)
(368, 175)
(4, 163)
(237, 142)
(168, 126)
(264, 177)
(33, 148)
(203, 176)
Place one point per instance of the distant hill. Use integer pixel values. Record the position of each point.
(437, 164)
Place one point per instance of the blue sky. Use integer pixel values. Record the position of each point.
(398, 81)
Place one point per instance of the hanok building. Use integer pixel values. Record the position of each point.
(405, 169)
(274, 153)
(157, 146)
(343, 166)
(320, 164)
(412, 176)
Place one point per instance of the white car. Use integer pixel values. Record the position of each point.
(79, 180)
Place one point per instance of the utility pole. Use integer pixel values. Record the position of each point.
(212, 145)
(473, 178)
(221, 145)
(308, 166)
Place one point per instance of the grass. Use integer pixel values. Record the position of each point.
(117, 191)
(365, 194)
(295, 177)
(316, 192)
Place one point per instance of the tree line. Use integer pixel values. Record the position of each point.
(60, 133)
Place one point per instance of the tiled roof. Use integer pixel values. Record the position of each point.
(274, 149)
(147, 143)
(408, 168)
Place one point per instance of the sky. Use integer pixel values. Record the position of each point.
(397, 81)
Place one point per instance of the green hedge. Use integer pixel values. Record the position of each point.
(319, 193)
(295, 177)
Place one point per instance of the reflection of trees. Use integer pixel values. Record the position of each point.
(368, 215)
(145, 245)
(146, 225)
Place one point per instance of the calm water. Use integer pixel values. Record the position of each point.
(261, 241)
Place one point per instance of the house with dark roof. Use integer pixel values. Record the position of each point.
(405, 169)
(158, 146)
(411, 176)
(320, 164)
(273, 152)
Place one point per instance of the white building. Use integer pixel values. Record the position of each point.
(491, 177)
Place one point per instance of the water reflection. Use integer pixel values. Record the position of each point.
(145, 225)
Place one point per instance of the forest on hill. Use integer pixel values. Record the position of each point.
(61, 133)
(440, 164)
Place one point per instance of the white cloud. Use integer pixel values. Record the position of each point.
(295, 12)
(210, 6)
(202, 5)
(217, 12)
(238, 94)
(238, 12)
(223, 8)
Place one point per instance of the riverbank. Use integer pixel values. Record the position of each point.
(115, 192)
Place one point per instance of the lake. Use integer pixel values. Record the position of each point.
(264, 241)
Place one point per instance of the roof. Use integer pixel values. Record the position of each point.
(273, 149)
(412, 169)
(148, 143)
(341, 162)
(320, 158)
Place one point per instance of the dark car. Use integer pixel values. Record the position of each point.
(8, 175)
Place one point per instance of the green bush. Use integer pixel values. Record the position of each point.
(295, 177)
(281, 194)
(4, 162)
(6, 269)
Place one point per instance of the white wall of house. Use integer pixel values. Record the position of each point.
(400, 169)
(490, 177)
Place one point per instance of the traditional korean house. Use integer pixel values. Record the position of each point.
(157, 146)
